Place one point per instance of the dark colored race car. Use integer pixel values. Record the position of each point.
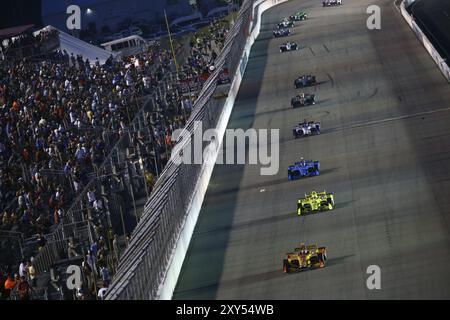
(305, 81)
(281, 33)
(288, 46)
(330, 3)
(299, 16)
(303, 99)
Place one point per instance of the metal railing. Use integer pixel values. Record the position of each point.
(144, 264)
(57, 245)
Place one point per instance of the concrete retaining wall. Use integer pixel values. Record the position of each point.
(426, 43)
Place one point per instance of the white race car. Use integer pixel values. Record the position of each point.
(329, 3)
(306, 129)
(288, 46)
(286, 23)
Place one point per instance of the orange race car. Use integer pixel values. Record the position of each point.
(305, 257)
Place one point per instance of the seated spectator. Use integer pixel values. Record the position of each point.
(98, 205)
(9, 285)
(105, 275)
(72, 253)
(23, 269)
(91, 197)
(102, 292)
(31, 274)
(41, 242)
(24, 290)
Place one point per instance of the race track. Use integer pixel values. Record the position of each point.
(384, 152)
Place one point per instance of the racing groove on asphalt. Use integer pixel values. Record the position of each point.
(391, 179)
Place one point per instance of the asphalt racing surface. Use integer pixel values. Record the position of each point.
(384, 151)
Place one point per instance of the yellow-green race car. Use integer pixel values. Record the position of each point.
(315, 202)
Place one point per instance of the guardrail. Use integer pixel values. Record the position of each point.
(57, 245)
(441, 63)
(150, 267)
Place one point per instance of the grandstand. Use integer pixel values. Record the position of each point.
(83, 140)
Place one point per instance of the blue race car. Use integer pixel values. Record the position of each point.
(305, 81)
(303, 168)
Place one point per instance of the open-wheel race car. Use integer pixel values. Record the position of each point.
(303, 100)
(304, 168)
(278, 33)
(305, 258)
(305, 81)
(286, 23)
(288, 46)
(315, 202)
(307, 128)
(299, 16)
(331, 3)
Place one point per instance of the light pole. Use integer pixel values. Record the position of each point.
(171, 42)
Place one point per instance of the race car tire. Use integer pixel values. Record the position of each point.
(314, 261)
(285, 266)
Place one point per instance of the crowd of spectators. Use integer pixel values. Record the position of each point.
(204, 50)
(61, 116)
(58, 122)
(19, 285)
